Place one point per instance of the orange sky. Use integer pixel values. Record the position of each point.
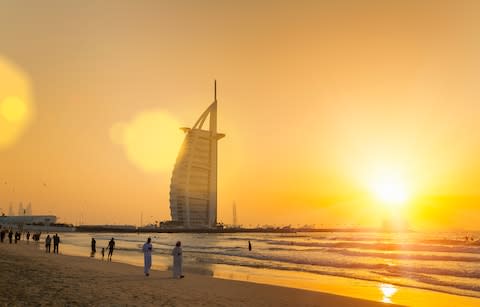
(316, 98)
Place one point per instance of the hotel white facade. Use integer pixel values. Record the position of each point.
(193, 188)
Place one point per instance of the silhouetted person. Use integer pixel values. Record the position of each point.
(94, 247)
(10, 236)
(147, 256)
(36, 236)
(2, 235)
(177, 260)
(111, 247)
(28, 235)
(56, 241)
(17, 237)
(103, 253)
(249, 246)
(48, 244)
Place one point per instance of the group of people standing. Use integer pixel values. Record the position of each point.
(110, 247)
(48, 243)
(177, 254)
(36, 237)
(15, 236)
(147, 250)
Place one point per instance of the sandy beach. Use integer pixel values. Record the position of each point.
(32, 277)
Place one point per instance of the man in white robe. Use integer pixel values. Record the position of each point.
(177, 260)
(147, 256)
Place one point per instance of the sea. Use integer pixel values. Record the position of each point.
(446, 262)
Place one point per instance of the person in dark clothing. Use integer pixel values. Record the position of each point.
(28, 235)
(17, 237)
(10, 236)
(94, 247)
(111, 247)
(37, 236)
(56, 241)
(2, 235)
(249, 246)
(48, 244)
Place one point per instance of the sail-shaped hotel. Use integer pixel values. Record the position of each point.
(193, 189)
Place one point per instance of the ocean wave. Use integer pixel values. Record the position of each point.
(354, 253)
(430, 283)
(398, 268)
(473, 249)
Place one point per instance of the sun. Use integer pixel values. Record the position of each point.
(390, 190)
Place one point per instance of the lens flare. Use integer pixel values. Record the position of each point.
(13, 109)
(151, 140)
(16, 107)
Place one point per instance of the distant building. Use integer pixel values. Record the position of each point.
(28, 219)
(193, 188)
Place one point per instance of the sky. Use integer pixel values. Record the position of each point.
(327, 106)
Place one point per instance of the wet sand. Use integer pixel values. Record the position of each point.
(29, 276)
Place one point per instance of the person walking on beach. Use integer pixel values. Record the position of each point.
(94, 247)
(28, 235)
(111, 247)
(48, 243)
(103, 253)
(147, 256)
(2, 235)
(177, 260)
(249, 246)
(10, 236)
(56, 241)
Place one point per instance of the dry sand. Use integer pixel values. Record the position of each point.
(29, 276)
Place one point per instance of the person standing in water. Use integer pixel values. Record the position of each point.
(147, 256)
(111, 247)
(249, 246)
(177, 260)
(48, 242)
(94, 248)
(56, 241)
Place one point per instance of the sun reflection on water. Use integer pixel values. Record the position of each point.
(388, 291)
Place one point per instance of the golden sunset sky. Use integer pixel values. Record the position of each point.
(321, 102)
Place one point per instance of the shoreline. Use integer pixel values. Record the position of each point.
(239, 285)
(34, 277)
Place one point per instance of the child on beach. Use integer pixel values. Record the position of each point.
(103, 253)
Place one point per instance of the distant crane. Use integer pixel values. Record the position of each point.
(234, 208)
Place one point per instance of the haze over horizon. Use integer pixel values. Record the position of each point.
(335, 114)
